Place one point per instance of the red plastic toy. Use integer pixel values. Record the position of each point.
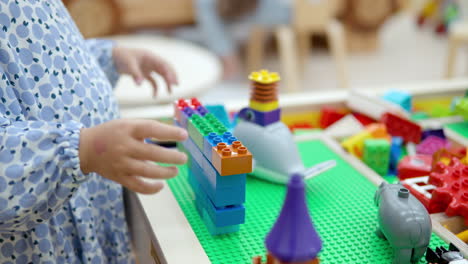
(329, 115)
(414, 166)
(451, 194)
(400, 127)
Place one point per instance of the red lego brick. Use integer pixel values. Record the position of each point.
(451, 194)
(300, 125)
(231, 159)
(400, 127)
(414, 166)
(421, 189)
(363, 119)
(329, 115)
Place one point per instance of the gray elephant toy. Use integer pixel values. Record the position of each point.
(403, 221)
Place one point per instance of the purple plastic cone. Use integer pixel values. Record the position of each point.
(293, 237)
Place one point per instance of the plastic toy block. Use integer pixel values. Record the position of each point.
(264, 106)
(231, 159)
(224, 192)
(395, 153)
(377, 130)
(400, 127)
(463, 236)
(345, 127)
(431, 144)
(440, 111)
(433, 132)
(264, 77)
(445, 156)
(184, 109)
(219, 111)
(451, 194)
(377, 155)
(453, 104)
(300, 125)
(260, 118)
(198, 127)
(213, 139)
(363, 119)
(329, 115)
(372, 106)
(264, 89)
(213, 229)
(400, 98)
(414, 166)
(421, 189)
(221, 216)
(355, 144)
(462, 108)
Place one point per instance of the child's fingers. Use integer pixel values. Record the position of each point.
(135, 70)
(139, 185)
(160, 66)
(153, 82)
(152, 129)
(142, 151)
(151, 170)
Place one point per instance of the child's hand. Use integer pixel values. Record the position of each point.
(116, 151)
(141, 63)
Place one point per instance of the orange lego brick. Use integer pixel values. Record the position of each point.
(231, 159)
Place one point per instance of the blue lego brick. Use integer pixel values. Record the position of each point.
(220, 112)
(213, 176)
(220, 216)
(212, 228)
(213, 139)
(395, 153)
(400, 98)
(232, 194)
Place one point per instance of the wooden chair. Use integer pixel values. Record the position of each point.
(458, 35)
(309, 17)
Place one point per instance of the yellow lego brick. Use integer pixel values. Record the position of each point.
(264, 77)
(264, 107)
(355, 144)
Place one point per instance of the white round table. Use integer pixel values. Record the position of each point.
(197, 70)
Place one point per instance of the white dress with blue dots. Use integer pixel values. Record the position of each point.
(53, 83)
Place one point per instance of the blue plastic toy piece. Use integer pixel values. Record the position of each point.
(400, 98)
(219, 216)
(220, 112)
(395, 153)
(221, 196)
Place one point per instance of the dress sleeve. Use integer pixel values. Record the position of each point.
(213, 28)
(39, 170)
(102, 51)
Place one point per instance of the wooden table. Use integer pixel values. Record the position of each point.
(164, 223)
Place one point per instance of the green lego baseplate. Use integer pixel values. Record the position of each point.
(340, 202)
(460, 128)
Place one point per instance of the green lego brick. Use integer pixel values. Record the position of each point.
(462, 108)
(440, 111)
(198, 127)
(340, 202)
(377, 155)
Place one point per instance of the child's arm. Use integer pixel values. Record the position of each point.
(39, 170)
(42, 164)
(102, 51)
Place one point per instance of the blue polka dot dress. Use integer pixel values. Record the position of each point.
(53, 83)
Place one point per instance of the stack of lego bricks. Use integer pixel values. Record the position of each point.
(264, 104)
(218, 164)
